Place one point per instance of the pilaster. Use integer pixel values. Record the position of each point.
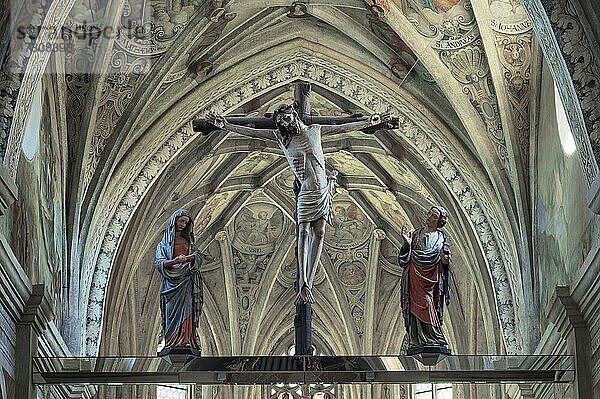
(36, 316)
(571, 324)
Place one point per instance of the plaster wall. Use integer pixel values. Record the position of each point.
(561, 217)
(35, 222)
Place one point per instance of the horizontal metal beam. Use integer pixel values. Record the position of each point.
(261, 370)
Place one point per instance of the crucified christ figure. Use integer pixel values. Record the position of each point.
(301, 145)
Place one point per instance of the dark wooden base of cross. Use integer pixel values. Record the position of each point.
(303, 330)
(303, 318)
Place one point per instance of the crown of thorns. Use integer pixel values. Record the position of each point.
(281, 108)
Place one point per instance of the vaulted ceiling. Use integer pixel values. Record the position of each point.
(459, 88)
(459, 75)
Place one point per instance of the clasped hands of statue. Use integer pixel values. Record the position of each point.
(181, 259)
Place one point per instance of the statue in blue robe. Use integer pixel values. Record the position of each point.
(181, 287)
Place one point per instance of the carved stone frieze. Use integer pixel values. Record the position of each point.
(572, 72)
(425, 137)
(456, 38)
(514, 53)
(10, 84)
(582, 62)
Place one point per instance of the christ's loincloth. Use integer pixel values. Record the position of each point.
(316, 204)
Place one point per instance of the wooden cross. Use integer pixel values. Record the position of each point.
(303, 318)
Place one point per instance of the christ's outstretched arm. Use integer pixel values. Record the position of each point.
(375, 119)
(221, 123)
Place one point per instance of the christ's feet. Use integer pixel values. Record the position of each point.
(304, 295)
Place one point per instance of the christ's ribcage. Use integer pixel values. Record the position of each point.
(298, 165)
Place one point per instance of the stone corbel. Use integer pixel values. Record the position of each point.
(36, 316)
(8, 190)
(38, 310)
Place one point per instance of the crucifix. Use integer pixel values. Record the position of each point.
(298, 134)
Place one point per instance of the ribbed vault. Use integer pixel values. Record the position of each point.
(457, 81)
(257, 182)
(388, 179)
(116, 154)
(377, 162)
